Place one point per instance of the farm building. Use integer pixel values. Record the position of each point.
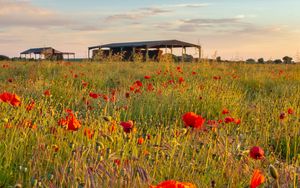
(148, 49)
(47, 53)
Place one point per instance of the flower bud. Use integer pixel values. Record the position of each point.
(274, 172)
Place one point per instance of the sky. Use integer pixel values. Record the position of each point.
(232, 29)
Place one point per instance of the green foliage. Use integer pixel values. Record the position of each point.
(3, 58)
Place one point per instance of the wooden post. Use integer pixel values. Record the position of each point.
(171, 49)
(147, 54)
(199, 48)
(88, 54)
(182, 59)
(133, 53)
(121, 54)
(166, 50)
(110, 54)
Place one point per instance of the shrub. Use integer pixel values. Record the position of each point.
(3, 58)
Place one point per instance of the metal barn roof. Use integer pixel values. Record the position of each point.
(37, 50)
(148, 44)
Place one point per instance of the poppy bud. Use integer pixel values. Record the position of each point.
(274, 172)
(107, 118)
(18, 185)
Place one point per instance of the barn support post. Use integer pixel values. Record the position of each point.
(121, 54)
(182, 53)
(166, 49)
(147, 54)
(88, 54)
(199, 48)
(172, 49)
(110, 54)
(133, 53)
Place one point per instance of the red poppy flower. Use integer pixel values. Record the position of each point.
(179, 70)
(225, 111)
(132, 88)
(290, 111)
(150, 87)
(257, 179)
(12, 99)
(237, 121)
(10, 80)
(94, 95)
(127, 95)
(217, 77)
(105, 97)
(71, 123)
(15, 100)
(257, 153)
(139, 83)
(127, 126)
(147, 77)
(282, 116)
(191, 119)
(173, 184)
(148, 136)
(89, 133)
(47, 93)
(140, 140)
(117, 162)
(84, 84)
(194, 73)
(181, 80)
(229, 119)
(30, 106)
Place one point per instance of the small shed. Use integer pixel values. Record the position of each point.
(149, 49)
(48, 53)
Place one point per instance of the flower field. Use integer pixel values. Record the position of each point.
(149, 125)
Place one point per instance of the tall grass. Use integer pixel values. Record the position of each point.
(256, 94)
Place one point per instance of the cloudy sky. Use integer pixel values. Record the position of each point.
(234, 29)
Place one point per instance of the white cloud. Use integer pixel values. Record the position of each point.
(23, 13)
(137, 14)
(191, 5)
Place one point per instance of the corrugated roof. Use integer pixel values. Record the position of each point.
(149, 44)
(40, 51)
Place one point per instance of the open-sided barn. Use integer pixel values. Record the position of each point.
(48, 53)
(149, 49)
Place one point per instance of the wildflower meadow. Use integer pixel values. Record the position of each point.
(157, 125)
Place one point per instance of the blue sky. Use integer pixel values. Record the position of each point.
(233, 29)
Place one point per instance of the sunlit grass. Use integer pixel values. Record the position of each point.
(52, 156)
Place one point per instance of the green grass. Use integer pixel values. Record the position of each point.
(257, 94)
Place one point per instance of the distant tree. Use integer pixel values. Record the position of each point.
(287, 60)
(261, 61)
(3, 58)
(269, 61)
(277, 61)
(250, 61)
(218, 59)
